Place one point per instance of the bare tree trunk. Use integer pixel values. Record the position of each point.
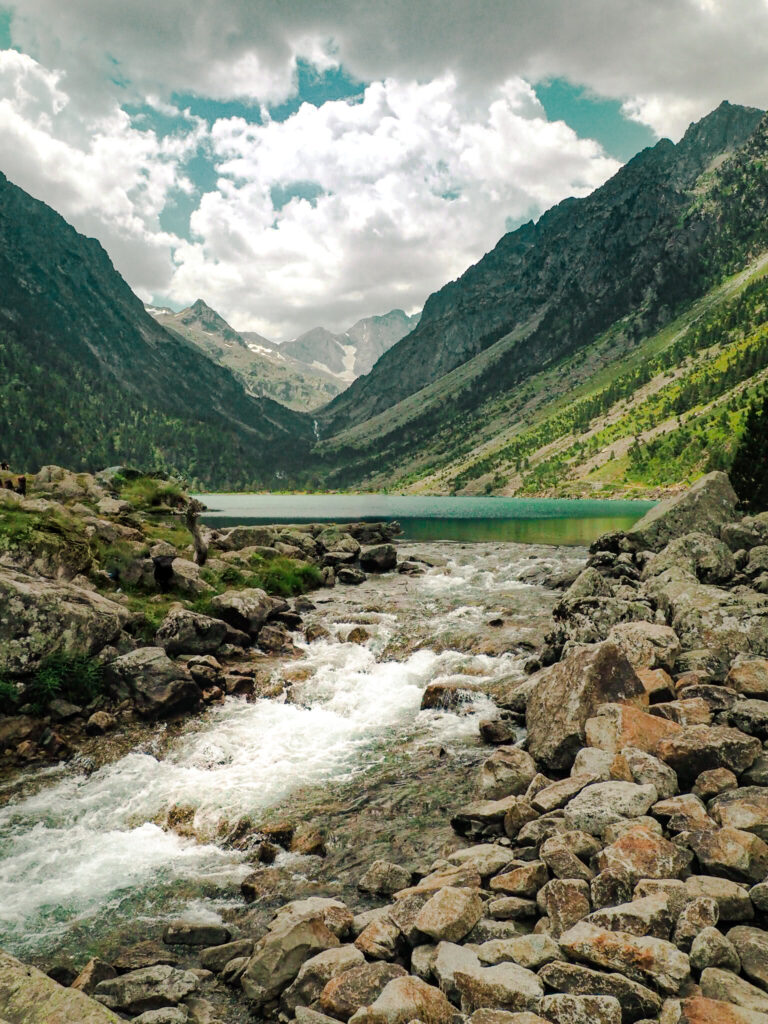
(192, 517)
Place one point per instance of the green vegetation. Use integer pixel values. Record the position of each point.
(9, 697)
(148, 492)
(75, 678)
(749, 471)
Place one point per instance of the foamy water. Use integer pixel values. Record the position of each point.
(84, 844)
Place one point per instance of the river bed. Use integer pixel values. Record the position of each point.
(87, 861)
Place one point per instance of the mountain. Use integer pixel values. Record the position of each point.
(354, 352)
(571, 293)
(88, 378)
(266, 371)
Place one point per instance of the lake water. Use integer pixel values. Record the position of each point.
(521, 520)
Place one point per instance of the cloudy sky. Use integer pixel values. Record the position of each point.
(304, 162)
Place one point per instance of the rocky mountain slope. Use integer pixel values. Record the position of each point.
(87, 376)
(599, 275)
(266, 371)
(354, 352)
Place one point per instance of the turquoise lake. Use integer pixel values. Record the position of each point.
(522, 520)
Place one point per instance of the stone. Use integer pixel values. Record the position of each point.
(450, 914)
(606, 766)
(149, 988)
(616, 727)
(357, 987)
(159, 686)
(407, 999)
(350, 576)
(500, 730)
(748, 675)
(658, 683)
(511, 908)
(559, 793)
(216, 958)
(246, 610)
(733, 902)
(568, 693)
(704, 556)
(486, 1016)
(646, 644)
(706, 506)
(745, 809)
(647, 770)
(94, 971)
(710, 948)
(449, 959)
(29, 996)
(488, 817)
(448, 696)
(695, 916)
(315, 974)
(720, 984)
(379, 940)
(379, 558)
(606, 802)
(731, 853)
(751, 945)
(487, 859)
(170, 1015)
(610, 888)
(714, 782)
(700, 1010)
(384, 878)
(699, 748)
(524, 880)
(403, 913)
(186, 578)
(759, 896)
(507, 772)
(648, 915)
(423, 960)
(636, 1000)
(463, 876)
(488, 930)
(194, 933)
(641, 958)
(530, 951)
(751, 716)
(336, 917)
(503, 987)
(691, 711)
(144, 954)
(682, 813)
(560, 857)
(99, 723)
(279, 955)
(570, 1009)
(186, 632)
(757, 773)
(565, 901)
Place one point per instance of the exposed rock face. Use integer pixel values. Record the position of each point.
(568, 693)
(39, 617)
(705, 507)
(27, 996)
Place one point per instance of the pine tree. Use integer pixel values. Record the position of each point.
(749, 470)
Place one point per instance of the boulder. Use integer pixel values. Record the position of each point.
(407, 999)
(637, 1001)
(705, 507)
(384, 878)
(695, 917)
(751, 716)
(569, 1009)
(29, 996)
(247, 536)
(647, 770)
(186, 632)
(159, 686)
(149, 988)
(699, 748)
(94, 972)
(521, 879)
(700, 1010)
(723, 985)
(450, 914)
(315, 974)
(643, 854)
(646, 645)
(559, 793)
(561, 856)
(733, 900)
(279, 955)
(246, 610)
(450, 958)
(336, 917)
(751, 945)
(504, 987)
(40, 617)
(486, 858)
(358, 987)
(566, 901)
(649, 915)
(196, 933)
(641, 958)
(710, 948)
(379, 940)
(379, 558)
(531, 951)
(731, 853)
(604, 803)
(507, 772)
(745, 808)
(749, 676)
(350, 576)
(568, 693)
(618, 726)
(701, 554)
(216, 958)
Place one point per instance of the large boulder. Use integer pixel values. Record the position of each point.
(246, 610)
(380, 558)
(65, 485)
(705, 556)
(246, 537)
(51, 543)
(646, 644)
(565, 695)
(280, 954)
(407, 999)
(358, 987)
(159, 686)
(27, 996)
(636, 1000)
(40, 617)
(149, 988)
(704, 507)
(640, 957)
(186, 632)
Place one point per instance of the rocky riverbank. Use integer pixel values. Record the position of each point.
(611, 867)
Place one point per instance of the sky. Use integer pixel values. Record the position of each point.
(309, 162)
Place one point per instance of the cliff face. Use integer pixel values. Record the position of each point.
(557, 283)
(89, 378)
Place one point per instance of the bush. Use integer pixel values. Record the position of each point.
(749, 470)
(9, 697)
(151, 492)
(72, 677)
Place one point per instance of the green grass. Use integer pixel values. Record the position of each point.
(72, 677)
(147, 492)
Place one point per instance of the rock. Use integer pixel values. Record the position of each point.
(610, 888)
(751, 716)
(710, 948)
(246, 537)
(759, 896)
(641, 958)
(714, 782)
(170, 1015)
(407, 999)
(646, 645)
(559, 793)
(149, 988)
(186, 632)
(379, 558)
(306, 1016)
(683, 813)
(749, 676)
(706, 506)
(29, 996)
(559, 855)
(700, 1010)
(565, 901)
(403, 913)
(450, 914)
(647, 770)
(569, 1009)
(695, 916)
(449, 959)
(524, 880)
(502, 987)
(486, 1016)
(733, 902)
(530, 951)
(692, 711)
(649, 915)
(493, 817)
(704, 556)
(94, 971)
(745, 809)
(606, 802)
(379, 940)
(336, 917)
(279, 955)
(507, 772)
(315, 974)
(216, 958)
(100, 723)
(718, 984)
(511, 908)
(568, 693)
(159, 686)
(751, 945)
(246, 610)
(487, 859)
(499, 730)
(461, 875)
(658, 684)
(757, 773)
(39, 618)
(144, 954)
(731, 853)
(699, 748)
(636, 1000)
(358, 987)
(195, 933)
(384, 878)
(616, 727)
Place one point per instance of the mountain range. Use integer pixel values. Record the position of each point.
(609, 347)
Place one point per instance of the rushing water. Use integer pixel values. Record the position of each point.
(425, 518)
(83, 853)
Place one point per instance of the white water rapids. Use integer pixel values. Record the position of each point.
(82, 848)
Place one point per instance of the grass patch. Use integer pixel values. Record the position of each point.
(9, 697)
(151, 492)
(76, 678)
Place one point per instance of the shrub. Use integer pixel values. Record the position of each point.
(151, 492)
(72, 677)
(749, 470)
(9, 697)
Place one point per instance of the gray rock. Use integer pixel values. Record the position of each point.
(246, 610)
(450, 914)
(379, 558)
(648, 915)
(607, 802)
(723, 985)
(196, 933)
(730, 853)
(710, 948)
(507, 772)
(733, 902)
(159, 686)
(186, 632)
(699, 748)
(744, 808)
(699, 914)
(706, 506)
(349, 575)
(361, 986)
(751, 944)
(648, 770)
(170, 1015)
(751, 716)
(570, 1009)
(216, 958)
(279, 955)
(705, 556)
(637, 1001)
(486, 858)
(150, 988)
(448, 959)
(503, 987)
(646, 644)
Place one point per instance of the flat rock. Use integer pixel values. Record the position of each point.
(504, 987)
(637, 1000)
(646, 644)
(195, 933)
(710, 948)
(604, 803)
(521, 879)
(449, 959)
(150, 988)
(733, 901)
(647, 916)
